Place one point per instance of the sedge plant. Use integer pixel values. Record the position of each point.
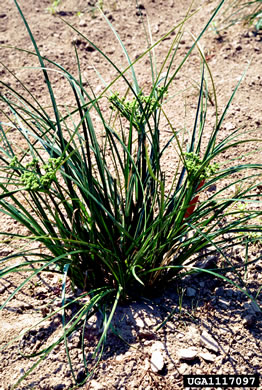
(102, 206)
(241, 11)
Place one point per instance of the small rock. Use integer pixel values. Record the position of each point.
(94, 385)
(157, 361)
(212, 188)
(187, 353)
(140, 6)
(89, 48)
(148, 343)
(229, 126)
(192, 334)
(67, 384)
(190, 292)
(238, 47)
(252, 308)
(157, 358)
(82, 23)
(81, 376)
(229, 293)
(208, 262)
(156, 29)
(220, 291)
(150, 321)
(119, 358)
(157, 346)
(146, 335)
(139, 322)
(209, 342)
(59, 387)
(54, 356)
(183, 369)
(248, 34)
(76, 41)
(111, 50)
(2, 289)
(208, 357)
(111, 18)
(223, 303)
(255, 307)
(249, 320)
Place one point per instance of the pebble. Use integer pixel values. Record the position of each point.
(139, 323)
(229, 126)
(187, 353)
(190, 292)
(157, 362)
(229, 293)
(2, 289)
(220, 291)
(82, 23)
(157, 346)
(89, 48)
(208, 262)
(249, 320)
(183, 369)
(68, 384)
(156, 29)
(53, 356)
(209, 342)
(111, 50)
(119, 358)
(238, 47)
(223, 303)
(192, 334)
(255, 307)
(207, 356)
(59, 387)
(212, 188)
(94, 385)
(146, 335)
(150, 321)
(81, 376)
(252, 307)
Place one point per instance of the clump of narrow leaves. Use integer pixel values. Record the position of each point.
(102, 207)
(248, 12)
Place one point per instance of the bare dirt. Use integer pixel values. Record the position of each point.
(202, 307)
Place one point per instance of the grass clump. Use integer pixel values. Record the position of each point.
(242, 11)
(111, 222)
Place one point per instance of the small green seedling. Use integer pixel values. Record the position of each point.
(53, 8)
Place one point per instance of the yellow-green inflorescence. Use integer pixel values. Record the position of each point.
(36, 177)
(139, 107)
(193, 164)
